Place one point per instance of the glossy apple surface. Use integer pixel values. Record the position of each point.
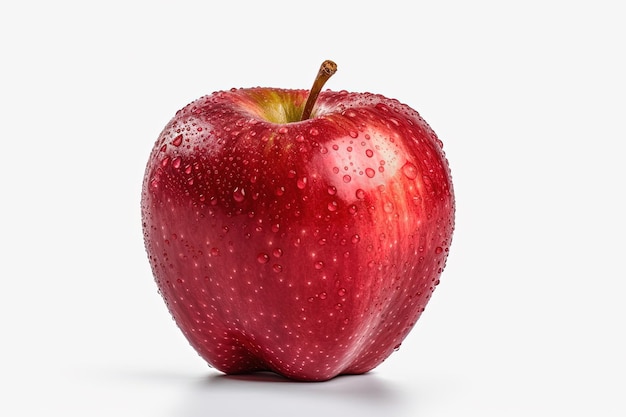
(307, 248)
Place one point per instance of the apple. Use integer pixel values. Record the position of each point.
(298, 232)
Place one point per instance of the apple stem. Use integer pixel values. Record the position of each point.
(327, 69)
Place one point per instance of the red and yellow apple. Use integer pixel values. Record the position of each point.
(303, 244)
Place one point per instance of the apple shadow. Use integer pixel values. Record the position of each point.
(268, 394)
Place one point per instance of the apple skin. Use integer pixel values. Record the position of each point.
(306, 248)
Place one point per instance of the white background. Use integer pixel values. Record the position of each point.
(528, 97)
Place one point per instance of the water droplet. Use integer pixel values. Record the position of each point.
(165, 161)
(300, 138)
(283, 130)
(438, 250)
(301, 182)
(352, 209)
(381, 106)
(332, 190)
(356, 238)
(319, 265)
(370, 172)
(314, 132)
(178, 140)
(277, 268)
(332, 206)
(239, 194)
(215, 252)
(341, 292)
(347, 178)
(263, 258)
(323, 295)
(279, 191)
(388, 207)
(369, 153)
(275, 227)
(277, 252)
(354, 134)
(409, 170)
(176, 162)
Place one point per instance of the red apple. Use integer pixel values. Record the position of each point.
(306, 246)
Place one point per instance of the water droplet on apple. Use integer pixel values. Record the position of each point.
(176, 162)
(301, 183)
(352, 209)
(347, 178)
(360, 194)
(263, 258)
(165, 161)
(356, 238)
(438, 250)
(277, 268)
(341, 292)
(275, 227)
(388, 207)
(178, 140)
(370, 172)
(332, 190)
(353, 134)
(283, 130)
(409, 170)
(277, 252)
(239, 194)
(332, 206)
(314, 132)
(319, 265)
(300, 138)
(369, 153)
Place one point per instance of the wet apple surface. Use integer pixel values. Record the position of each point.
(309, 248)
